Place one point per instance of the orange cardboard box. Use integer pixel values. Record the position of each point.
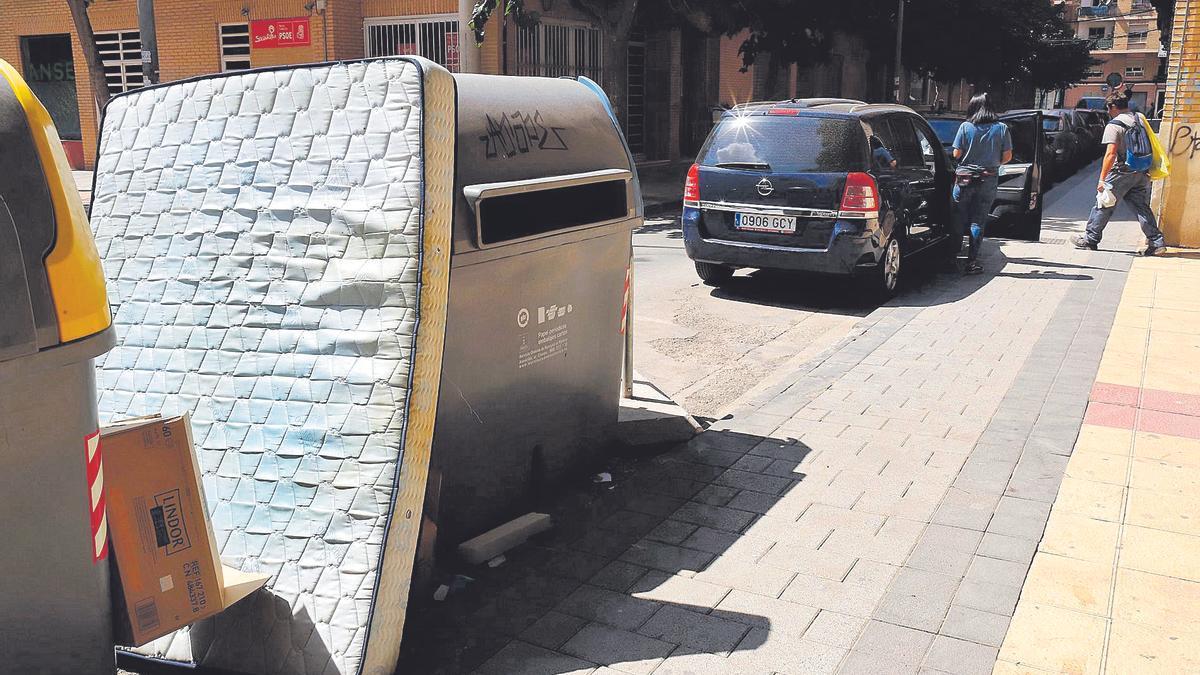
(166, 556)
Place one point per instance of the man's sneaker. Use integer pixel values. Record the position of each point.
(973, 268)
(1081, 242)
(1151, 249)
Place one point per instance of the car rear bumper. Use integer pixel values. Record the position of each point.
(850, 251)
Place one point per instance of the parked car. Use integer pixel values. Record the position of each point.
(946, 128)
(1062, 136)
(1094, 122)
(1017, 211)
(1092, 103)
(818, 185)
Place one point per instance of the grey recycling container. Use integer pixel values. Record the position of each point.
(349, 274)
(54, 319)
(546, 200)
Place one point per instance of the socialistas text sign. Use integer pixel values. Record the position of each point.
(272, 33)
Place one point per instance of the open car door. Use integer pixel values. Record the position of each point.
(1017, 211)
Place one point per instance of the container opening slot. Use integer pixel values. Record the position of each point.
(527, 214)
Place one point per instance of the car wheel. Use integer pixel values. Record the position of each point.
(887, 272)
(713, 274)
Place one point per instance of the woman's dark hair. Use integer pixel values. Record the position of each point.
(979, 110)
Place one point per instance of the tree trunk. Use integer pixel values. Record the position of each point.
(91, 57)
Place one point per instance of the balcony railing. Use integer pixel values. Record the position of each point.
(1102, 44)
(1093, 12)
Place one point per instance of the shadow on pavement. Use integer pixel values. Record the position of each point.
(632, 572)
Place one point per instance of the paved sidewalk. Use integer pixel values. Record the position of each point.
(1115, 585)
(874, 511)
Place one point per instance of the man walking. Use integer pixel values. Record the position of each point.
(1128, 184)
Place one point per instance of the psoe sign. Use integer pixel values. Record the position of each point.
(273, 33)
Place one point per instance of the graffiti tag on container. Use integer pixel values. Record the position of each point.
(516, 133)
(1185, 141)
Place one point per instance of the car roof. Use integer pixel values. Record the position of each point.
(822, 106)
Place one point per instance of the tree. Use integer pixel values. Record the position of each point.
(91, 56)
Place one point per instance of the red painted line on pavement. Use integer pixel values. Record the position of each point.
(1117, 394)
(1169, 413)
(1109, 415)
(1169, 424)
(1171, 402)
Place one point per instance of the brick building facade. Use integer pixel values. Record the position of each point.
(1124, 37)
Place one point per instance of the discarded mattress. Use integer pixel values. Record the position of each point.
(276, 245)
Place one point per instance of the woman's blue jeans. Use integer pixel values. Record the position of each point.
(972, 205)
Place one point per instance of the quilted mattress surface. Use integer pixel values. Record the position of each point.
(276, 246)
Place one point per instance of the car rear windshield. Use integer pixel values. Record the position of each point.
(946, 130)
(787, 144)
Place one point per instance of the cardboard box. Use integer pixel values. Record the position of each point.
(166, 557)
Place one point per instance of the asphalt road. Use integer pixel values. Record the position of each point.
(706, 347)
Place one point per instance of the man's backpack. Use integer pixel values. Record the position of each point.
(1139, 154)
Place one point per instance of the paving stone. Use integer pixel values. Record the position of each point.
(952, 655)
(618, 576)
(859, 662)
(988, 597)
(900, 645)
(666, 557)
(755, 502)
(1037, 476)
(553, 629)
(523, 658)
(856, 599)
(717, 517)
(801, 558)
(917, 599)
(965, 509)
(715, 495)
(747, 576)
(1019, 518)
(623, 650)
(723, 543)
(654, 504)
(691, 629)
(608, 607)
(685, 591)
(763, 650)
(671, 531)
(573, 564)
(996, 571)
(757, 610)
(1005, 547)
(975, 625)
(758, 482)
(835, 628)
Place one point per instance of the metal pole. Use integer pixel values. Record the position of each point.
(899, 48)
(468, 53)
(627, 379)
(149, 39)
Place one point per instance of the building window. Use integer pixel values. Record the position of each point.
(1135, 71)
(558, 50)
(435, 38)
(1138, 32)
(121, 58)
(1095, 74)
(235, 46)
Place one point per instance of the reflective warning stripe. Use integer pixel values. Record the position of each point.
(95, 479)
(625, 299)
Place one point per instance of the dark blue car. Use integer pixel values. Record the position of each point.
(818, 185)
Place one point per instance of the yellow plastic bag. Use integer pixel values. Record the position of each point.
(1162, 163)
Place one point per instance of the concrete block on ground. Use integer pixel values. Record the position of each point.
(500, 539)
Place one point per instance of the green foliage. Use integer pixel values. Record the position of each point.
(987, 42)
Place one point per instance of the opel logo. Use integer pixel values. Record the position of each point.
(765, 188)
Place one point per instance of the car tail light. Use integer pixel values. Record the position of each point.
(861, 196)
(791, 112)
(691, 188)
